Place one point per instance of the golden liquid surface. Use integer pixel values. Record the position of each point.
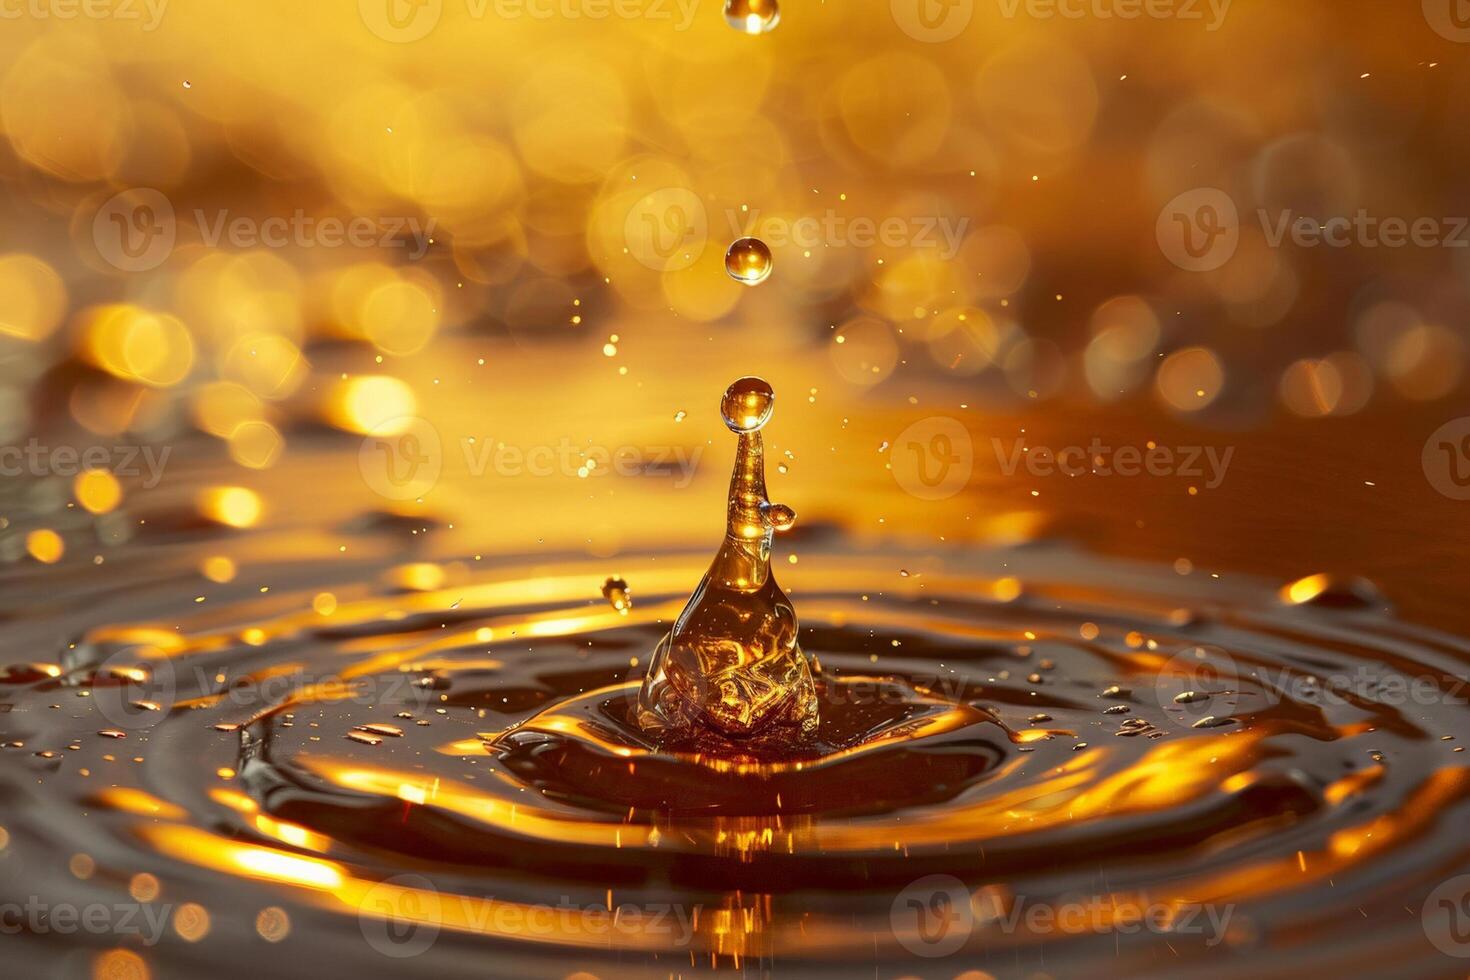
(454, 748)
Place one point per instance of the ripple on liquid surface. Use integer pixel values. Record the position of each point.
(468, 753)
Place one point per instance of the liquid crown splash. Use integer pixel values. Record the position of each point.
(731, 664)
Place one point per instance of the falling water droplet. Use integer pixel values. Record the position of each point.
(752, 16)
(749, 261)
(615, 591)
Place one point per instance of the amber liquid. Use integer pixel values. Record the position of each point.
(445, 766)
(1031, 742)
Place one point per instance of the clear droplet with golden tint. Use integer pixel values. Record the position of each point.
(752, 16)
(731, 664)
(749, 261)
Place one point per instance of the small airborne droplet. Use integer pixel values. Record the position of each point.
(749, 261)
(731, 664)
(752, 16)
(615, 591)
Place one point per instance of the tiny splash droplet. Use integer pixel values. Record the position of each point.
(747, 405)
(748, 260)
(781, 517)
(752, 16)
(615, 591)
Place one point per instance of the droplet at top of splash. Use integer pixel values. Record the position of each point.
(731, 664)
(752, 16)
(749, 261)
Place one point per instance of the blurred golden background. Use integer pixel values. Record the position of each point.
(294, 244)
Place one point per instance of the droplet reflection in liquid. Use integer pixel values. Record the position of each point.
(749, 261)
(752, 16)
(731, 663)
